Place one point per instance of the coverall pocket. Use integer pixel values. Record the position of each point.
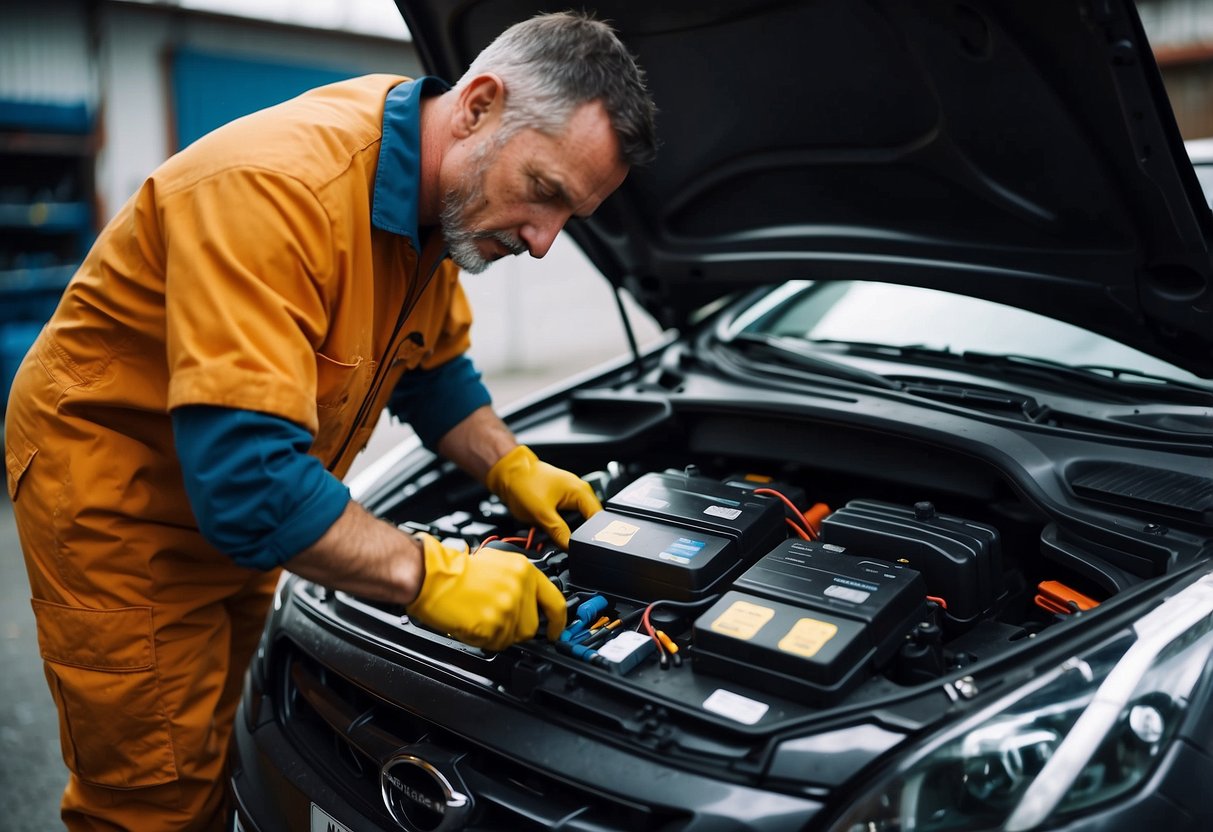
(17, 459)
(340, 388)
(335, 381)
(101, 668)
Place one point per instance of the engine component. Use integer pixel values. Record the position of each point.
(960, 559)
(673, 536)
(754, 521)
(888, 598)
(809, 621)
(627, 650)
(646, 560)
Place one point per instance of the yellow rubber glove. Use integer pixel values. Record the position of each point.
(490, 599)
(535, 492)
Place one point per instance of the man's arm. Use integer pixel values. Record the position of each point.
(364, 556)
(491, 599)
(478, 442)
(261, 498)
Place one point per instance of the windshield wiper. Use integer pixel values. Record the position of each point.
(1120, 379)
(1104, 379)
(799, 353)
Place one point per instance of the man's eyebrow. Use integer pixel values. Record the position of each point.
(556, 185)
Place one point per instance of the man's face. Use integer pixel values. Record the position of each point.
(515, 197)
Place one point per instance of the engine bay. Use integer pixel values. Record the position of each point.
(738, 597)
(813, 556)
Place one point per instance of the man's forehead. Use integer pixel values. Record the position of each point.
(583, 162)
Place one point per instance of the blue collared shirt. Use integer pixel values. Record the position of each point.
(256, 492)
(394, 202)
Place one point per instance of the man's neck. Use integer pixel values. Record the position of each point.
(434, 139)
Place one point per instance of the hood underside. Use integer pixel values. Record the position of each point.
(1021, 151)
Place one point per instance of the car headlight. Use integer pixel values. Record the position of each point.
(1084, 733)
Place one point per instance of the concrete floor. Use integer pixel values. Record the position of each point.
(32, 775)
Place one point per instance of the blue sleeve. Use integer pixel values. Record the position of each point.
(434, 401)
(256, 493)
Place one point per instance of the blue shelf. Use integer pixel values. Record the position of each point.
(52, 118)
(35, 280)
(47, 217)
(29, 296)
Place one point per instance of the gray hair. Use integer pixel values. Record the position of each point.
(554, 63)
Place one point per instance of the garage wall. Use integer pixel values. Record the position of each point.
(1181, 35)
(136, 48)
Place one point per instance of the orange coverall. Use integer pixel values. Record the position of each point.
(245, 273)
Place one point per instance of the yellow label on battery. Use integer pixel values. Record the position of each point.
(616, 533)
(807, 636)
(742, 620)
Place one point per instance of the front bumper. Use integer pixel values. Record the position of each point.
(316, 736)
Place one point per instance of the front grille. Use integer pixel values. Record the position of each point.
(347, 732)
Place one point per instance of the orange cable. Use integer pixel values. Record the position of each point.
(804, 524)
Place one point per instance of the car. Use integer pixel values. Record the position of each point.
(909, 516)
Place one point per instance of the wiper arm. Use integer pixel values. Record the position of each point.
(1109, 378)
(794, 351)
(1106, 378)
(1124, 374)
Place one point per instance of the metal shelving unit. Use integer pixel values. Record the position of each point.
(47, 216)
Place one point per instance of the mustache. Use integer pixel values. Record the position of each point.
(512, 244)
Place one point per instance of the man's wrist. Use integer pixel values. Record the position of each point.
(478, 442)
(408, 570)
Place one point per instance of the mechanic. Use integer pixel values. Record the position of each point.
(180, 428)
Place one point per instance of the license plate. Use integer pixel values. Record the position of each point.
(322, 821)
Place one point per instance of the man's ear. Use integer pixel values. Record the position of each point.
(480, 103)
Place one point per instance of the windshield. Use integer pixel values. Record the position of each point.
(903, 316)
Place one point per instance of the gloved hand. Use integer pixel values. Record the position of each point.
(489, 599)
(534, 492)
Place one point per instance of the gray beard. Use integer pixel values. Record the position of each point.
(459, 237)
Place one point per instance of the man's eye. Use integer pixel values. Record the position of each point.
(543, 191)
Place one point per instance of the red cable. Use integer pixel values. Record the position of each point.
(644, 619)
(530, 538)
(799, 531)
(939, 601)
(804, 524)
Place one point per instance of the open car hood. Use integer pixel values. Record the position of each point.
(1021, 151)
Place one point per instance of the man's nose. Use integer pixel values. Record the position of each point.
(539, 234)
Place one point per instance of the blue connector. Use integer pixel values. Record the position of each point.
(590, 610)
(574, 629)
(580, 651)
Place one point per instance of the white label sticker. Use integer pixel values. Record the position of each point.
(721, 511)
(735, 706)
(322, 821)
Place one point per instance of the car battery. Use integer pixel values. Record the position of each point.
(961, 560)
(647, 560)
(809, 621)
(754, 521)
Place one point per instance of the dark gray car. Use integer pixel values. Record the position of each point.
(918, 489)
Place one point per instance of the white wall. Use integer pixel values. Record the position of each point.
(547, 316)
(44, 55)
